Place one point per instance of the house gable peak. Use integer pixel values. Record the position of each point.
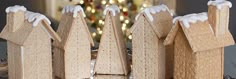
(74, 10)
(113, 9)
(153, 10)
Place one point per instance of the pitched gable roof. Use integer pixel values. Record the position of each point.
(65, 29)
(109, 15)
(19, 37)
(199, 35)
(159, 18)
(68, 19)
(31, 20)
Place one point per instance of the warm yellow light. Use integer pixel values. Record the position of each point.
(144, 5)
(120, 1)
(111, 1)
(81, 1)
(123, 27)
(94, 34)
(100, 32)
(103, 2)
(141, 8)
(100, 21)
(126, 21)
(130, 37)
(93, 11)
(88, 8)
(125, 9)
(122, 18)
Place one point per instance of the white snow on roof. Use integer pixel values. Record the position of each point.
(220, 3)
(74, 10)
(36, 18)
(15, 8)
(113, 8)
(191, 18)
(153, 10)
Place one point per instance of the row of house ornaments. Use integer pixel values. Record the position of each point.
(192, 49)
(29, 56)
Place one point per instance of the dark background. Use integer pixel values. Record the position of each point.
(183, 7)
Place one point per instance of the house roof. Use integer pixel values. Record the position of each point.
(31, 20)
(20, 36)
(199, 34)
(116, 24)
(159, 18)
(64, 29)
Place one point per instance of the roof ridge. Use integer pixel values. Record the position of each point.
(113, 8)
(191, 18)
(153, 10)
(74, 10)
(35, 18)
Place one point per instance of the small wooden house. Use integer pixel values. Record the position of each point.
(72, 56)
(28, 36)
(112, 56)
(148, 33)
(199, 41)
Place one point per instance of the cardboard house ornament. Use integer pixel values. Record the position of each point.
(199, 41)
(28, 36)
(148, 33)
(72, 56)
(111, 58)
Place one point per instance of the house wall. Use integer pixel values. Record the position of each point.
(58, 62)
(37, 60)
(14, 60)
(109, 59)
(198, 65)
(148, 53)
(77, 52)
(209, 64)
(184, 58)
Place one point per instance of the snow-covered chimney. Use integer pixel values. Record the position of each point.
(15, 17)
(218, 15)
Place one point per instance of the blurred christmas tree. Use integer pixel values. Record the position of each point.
(95, 18)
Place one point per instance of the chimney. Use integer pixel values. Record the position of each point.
(15, 17)
(218, 16)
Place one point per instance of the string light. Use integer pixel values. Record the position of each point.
(81, 1)
(88, 8)
(100, 21)
(127, 21)
(100, 32)
(111, 1)
(130, 37)
(121, 18)
(120, 1)
(123, 27)
(94, 34)
(144, 5)
(93, 11)
(103, 2)
(125, 9)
